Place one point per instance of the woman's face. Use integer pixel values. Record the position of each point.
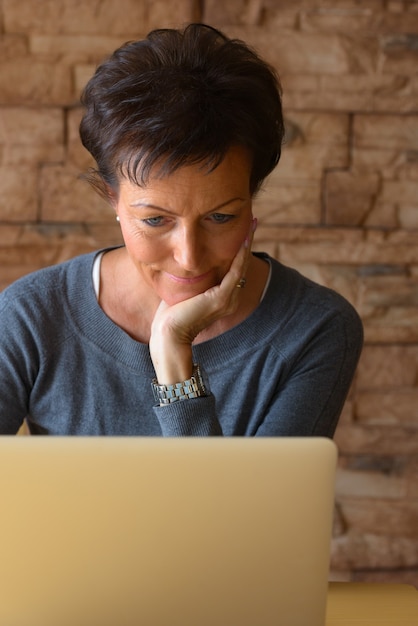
(182, 231)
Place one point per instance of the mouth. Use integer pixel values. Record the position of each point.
(188, 280)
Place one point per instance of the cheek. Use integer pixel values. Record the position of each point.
(233, 241)
(232, 247)
(140, 247)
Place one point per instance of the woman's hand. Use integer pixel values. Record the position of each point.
(175, 327)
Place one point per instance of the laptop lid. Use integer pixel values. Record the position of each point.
(165, 532)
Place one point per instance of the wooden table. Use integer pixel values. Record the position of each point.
(372, 604)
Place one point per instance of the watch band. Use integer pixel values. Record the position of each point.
(194, 387)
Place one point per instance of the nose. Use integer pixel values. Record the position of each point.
(188, 248)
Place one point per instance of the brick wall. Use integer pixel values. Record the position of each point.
(342, 206)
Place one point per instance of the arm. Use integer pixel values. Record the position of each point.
(310, 396)
(174, 328)
(16, 351)
(172, 334)
(287, 369)
(288, 382)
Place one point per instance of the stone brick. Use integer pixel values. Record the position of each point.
(78, 47)
(105, 235)
(296, 52)
(381, 517)
(19, 194)
(284, 202)
(395, 94)
(329, 129)
(161, 14)
(393, 465)
(386, 132)
(399, 53)
(31, 136)
(313, 142)
(66, 198)
(354, 85)
(309, 161)
(12, 46)
(285, 16)
(31, 253)
(388, 305)
(356, 484)
(346, 416)
(125, 17)
(77, 154)
(411, 473)
(364, 17)
(332, 100)
(407, 576)
(262, 245)
(299, 83)
(31, 125)
(399, 193)
(388, 291)
(9, 234)
(372, 160)
(337, 19)
(369, 197)
(82, 74)
(369, 92)
(376, 247)
(366, 551)
(24, 249)
(232, 12)
(408, 217)
(32, 154)
(387, 367)
(34, 82)
(394, 325)
(379, 440)
(388, 407)
(349, 198)
(343, 279)
(293, 243)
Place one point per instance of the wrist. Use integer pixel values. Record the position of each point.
(172, 360)
(193, 387)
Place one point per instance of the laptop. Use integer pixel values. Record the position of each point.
(165, 531)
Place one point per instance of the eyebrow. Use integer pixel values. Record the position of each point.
(160, 208)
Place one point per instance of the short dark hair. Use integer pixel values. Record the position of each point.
(181, 97)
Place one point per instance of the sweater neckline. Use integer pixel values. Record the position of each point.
(109, 338)
(97, 262)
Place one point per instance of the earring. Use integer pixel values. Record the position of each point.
(117, 218)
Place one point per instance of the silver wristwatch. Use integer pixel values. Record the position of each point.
(194, 387)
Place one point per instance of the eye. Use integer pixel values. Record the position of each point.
(221, 218)
(154, 221)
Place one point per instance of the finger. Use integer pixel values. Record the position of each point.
(248, 245)
(240, 263)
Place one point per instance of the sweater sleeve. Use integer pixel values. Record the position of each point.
(17, 363)
(308, 401)
(295, 385)
(189, 418)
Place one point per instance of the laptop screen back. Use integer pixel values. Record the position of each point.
(165, 532)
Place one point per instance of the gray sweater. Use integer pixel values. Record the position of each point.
(68, 369)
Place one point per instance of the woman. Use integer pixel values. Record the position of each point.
(182, 331)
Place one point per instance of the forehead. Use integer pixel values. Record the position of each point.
(232, 173)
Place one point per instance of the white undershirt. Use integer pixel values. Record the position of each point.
(96, 273)
(96, 276)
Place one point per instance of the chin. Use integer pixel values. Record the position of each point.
(174, 298)
(180, 294)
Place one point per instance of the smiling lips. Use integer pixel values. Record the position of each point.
(188, 280)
